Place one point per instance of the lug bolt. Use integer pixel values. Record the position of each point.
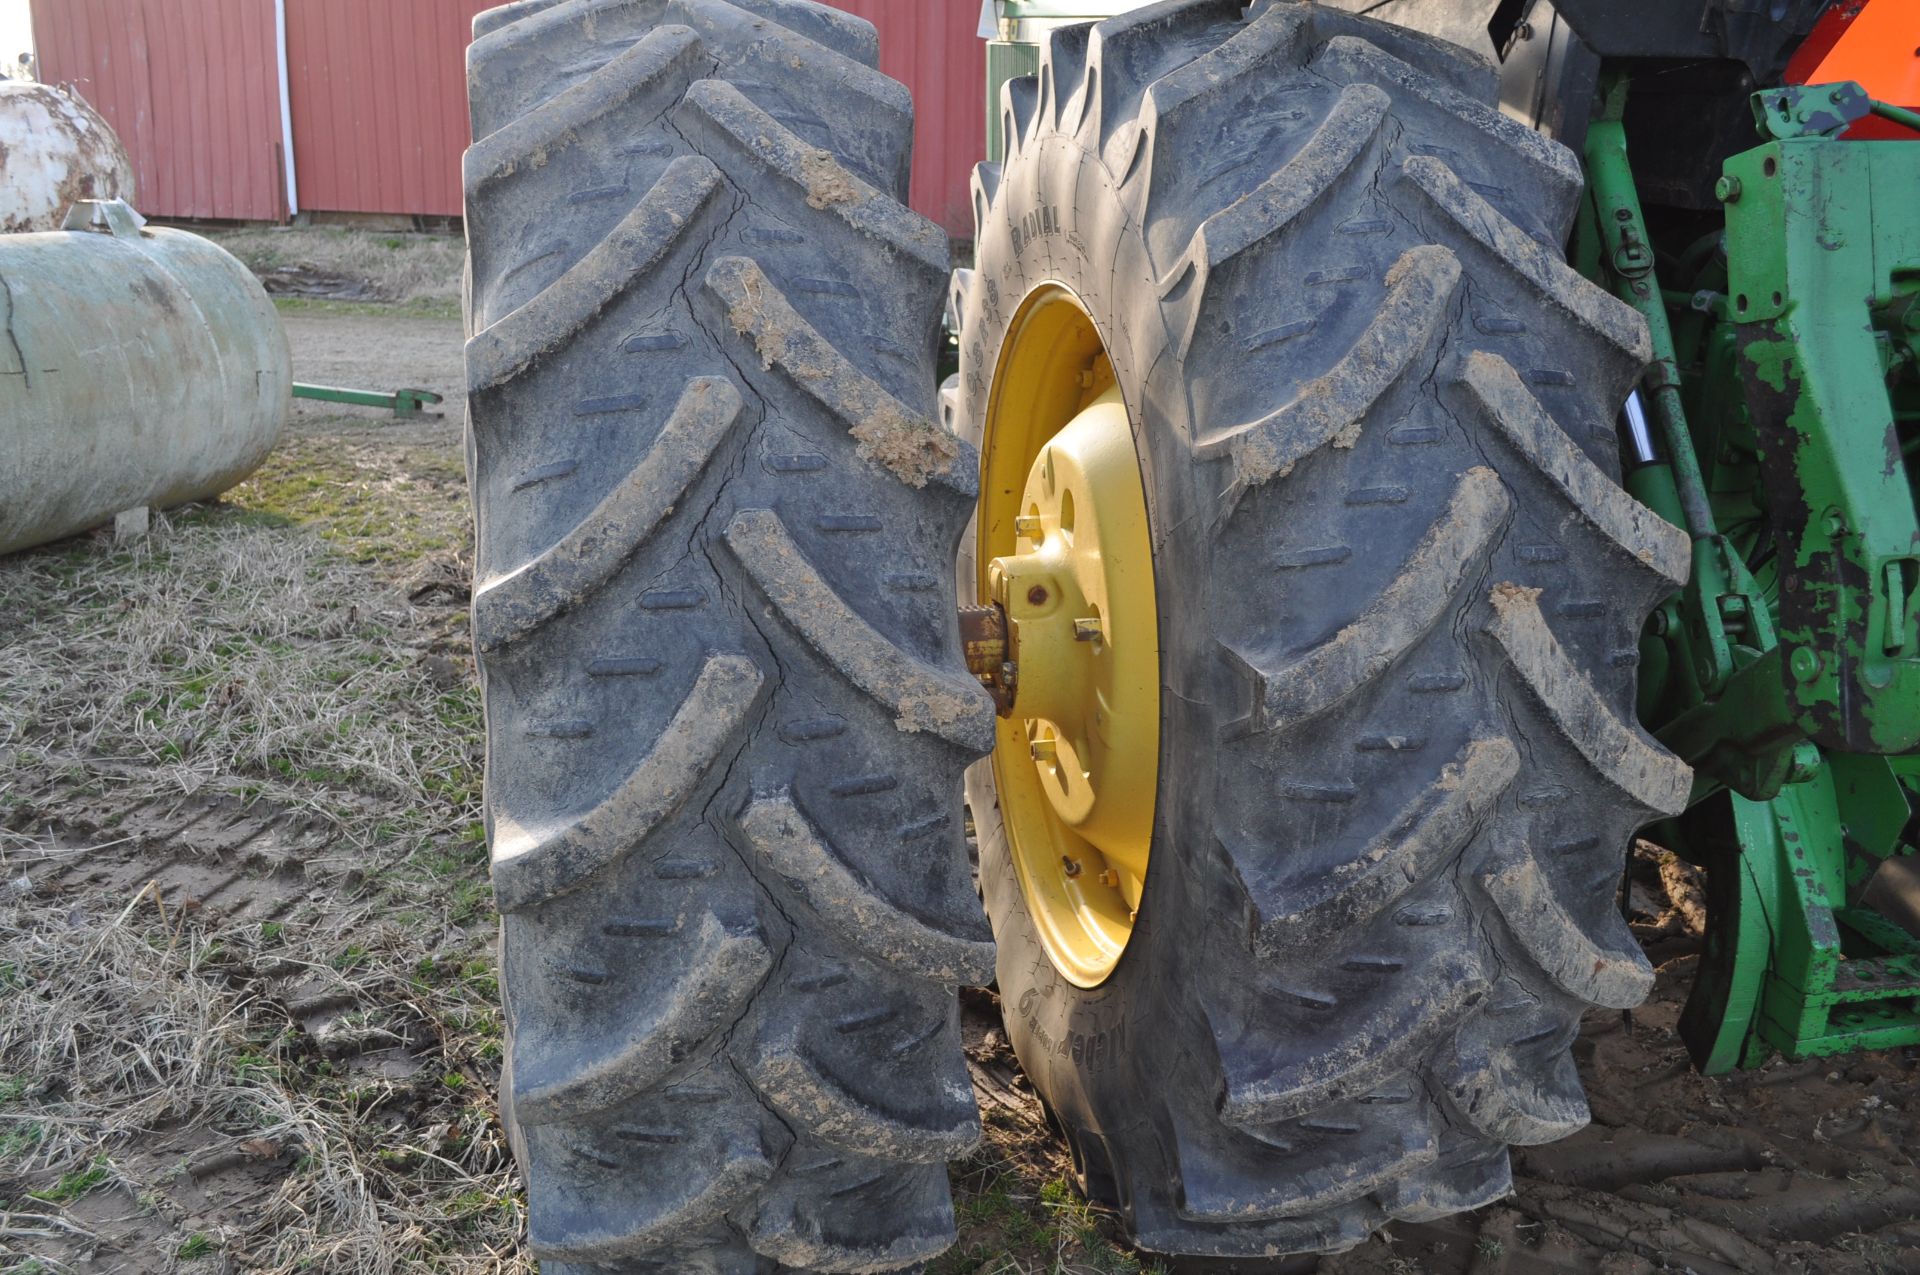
(1110, 879)
(1070, 866)
(1042, 750)
(1037, 595)
(1088, 630)
(1027, 525)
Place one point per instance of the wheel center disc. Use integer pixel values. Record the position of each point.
(1067, 555)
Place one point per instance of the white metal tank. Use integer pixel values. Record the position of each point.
(138, 367)
(55, 150)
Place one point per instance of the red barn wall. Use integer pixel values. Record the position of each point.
(934, 48)
(191, 86)
(378, 95)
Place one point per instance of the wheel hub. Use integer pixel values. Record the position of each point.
(1068, 563)
(1058, 592)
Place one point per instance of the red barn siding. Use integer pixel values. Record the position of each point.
(192, 88)
(378, 98)
(934, 48)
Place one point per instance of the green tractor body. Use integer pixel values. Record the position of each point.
(1776, 262)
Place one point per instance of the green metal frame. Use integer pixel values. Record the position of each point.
(402, 403)
(1786, 671)
(1791, 966)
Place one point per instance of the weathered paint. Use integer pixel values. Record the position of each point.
(54, 151)
(137, 367)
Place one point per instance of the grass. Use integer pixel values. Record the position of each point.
(1011, 1224)
(71, 1186)
(408, 269)
(265, 648)
(142, 1020)
(417, 308)
(380, 504)
(232, 652)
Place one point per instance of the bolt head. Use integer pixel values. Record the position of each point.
(1037, 595)
(1727, 189)
(1805, 664)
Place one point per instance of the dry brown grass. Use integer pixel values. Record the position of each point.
(400, 267)
(230, 654)
(143, 1045)
(144, 1038)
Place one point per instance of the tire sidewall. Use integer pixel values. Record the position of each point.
(1093, 1053)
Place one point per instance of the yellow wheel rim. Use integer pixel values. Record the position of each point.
(1064, 548)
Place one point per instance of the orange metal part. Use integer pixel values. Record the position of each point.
(1876, 44)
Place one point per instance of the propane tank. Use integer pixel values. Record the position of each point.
(139, 367)
(55, 151)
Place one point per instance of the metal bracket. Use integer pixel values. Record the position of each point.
(114, 217)
(1790, 966)
(1809, 110)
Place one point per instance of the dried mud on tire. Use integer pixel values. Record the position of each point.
(726, 711)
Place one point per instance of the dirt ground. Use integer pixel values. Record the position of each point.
(250, 1020)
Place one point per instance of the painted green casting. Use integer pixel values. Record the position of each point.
(1788, 671)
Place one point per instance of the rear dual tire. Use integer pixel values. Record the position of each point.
(726, 711)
